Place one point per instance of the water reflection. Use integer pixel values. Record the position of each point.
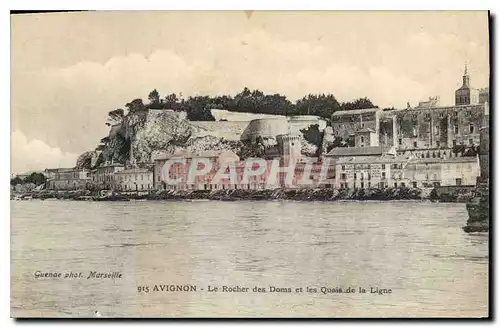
(417, 249)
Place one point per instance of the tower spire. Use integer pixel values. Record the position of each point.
(466, 78)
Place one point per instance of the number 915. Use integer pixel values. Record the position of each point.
(143, 289)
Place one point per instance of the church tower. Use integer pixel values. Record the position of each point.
(466, 95)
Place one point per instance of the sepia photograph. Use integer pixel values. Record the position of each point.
(250, 164)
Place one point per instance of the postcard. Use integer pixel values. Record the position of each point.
(250, 164)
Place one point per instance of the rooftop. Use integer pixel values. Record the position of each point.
(372, 159)
(109, 165)
(64, 169)
(403, 159)
(356, 111)
(202, 154)
(134, 170)
(366, 130)
(358, 151)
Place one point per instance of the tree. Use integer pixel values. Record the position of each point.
(459, 149)
(135, 105)
(198, 109)
(319, 105)
(471, 151)
(171, 102)
(360, 103)
(154, 99)
(35, 178)
(257, 102)
(314, 136)
(15, 181)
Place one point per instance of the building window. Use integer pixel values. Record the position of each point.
(414, 144)
(438, 144)
(403, 185)
(400, 141)
(362, 125)
(354, 175)
(395, 184)
(369, 176)
(459, 181)
(362, 139)
(343, 167)
(383, 175)
(362, 184)
(342, 176)
(427, 115)
(414, 184)
(454, 142)
(383, 166)
(471, 128)
(455, 128)
(369, 184)
(441, 114)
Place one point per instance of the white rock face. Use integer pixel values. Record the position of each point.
(328, 139)
(307, 149)
(165, 132)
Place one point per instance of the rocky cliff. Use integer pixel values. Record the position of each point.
(142, 135)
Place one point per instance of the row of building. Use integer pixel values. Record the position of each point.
(109, 176)
(350, 167)
(412, 147)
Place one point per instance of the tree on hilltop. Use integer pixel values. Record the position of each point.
(154, 100)
(135, 105)
(198, 108)
(360, 103)
(317, 104)
(171, 102)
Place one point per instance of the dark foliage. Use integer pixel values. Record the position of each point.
(249, 101)
(35, 178)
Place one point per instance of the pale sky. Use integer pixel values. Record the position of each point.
(69, 70)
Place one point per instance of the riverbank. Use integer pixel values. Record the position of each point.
(386, 194)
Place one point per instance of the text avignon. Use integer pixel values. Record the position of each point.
(174, 288)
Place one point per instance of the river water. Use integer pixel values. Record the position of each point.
(416, 249)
